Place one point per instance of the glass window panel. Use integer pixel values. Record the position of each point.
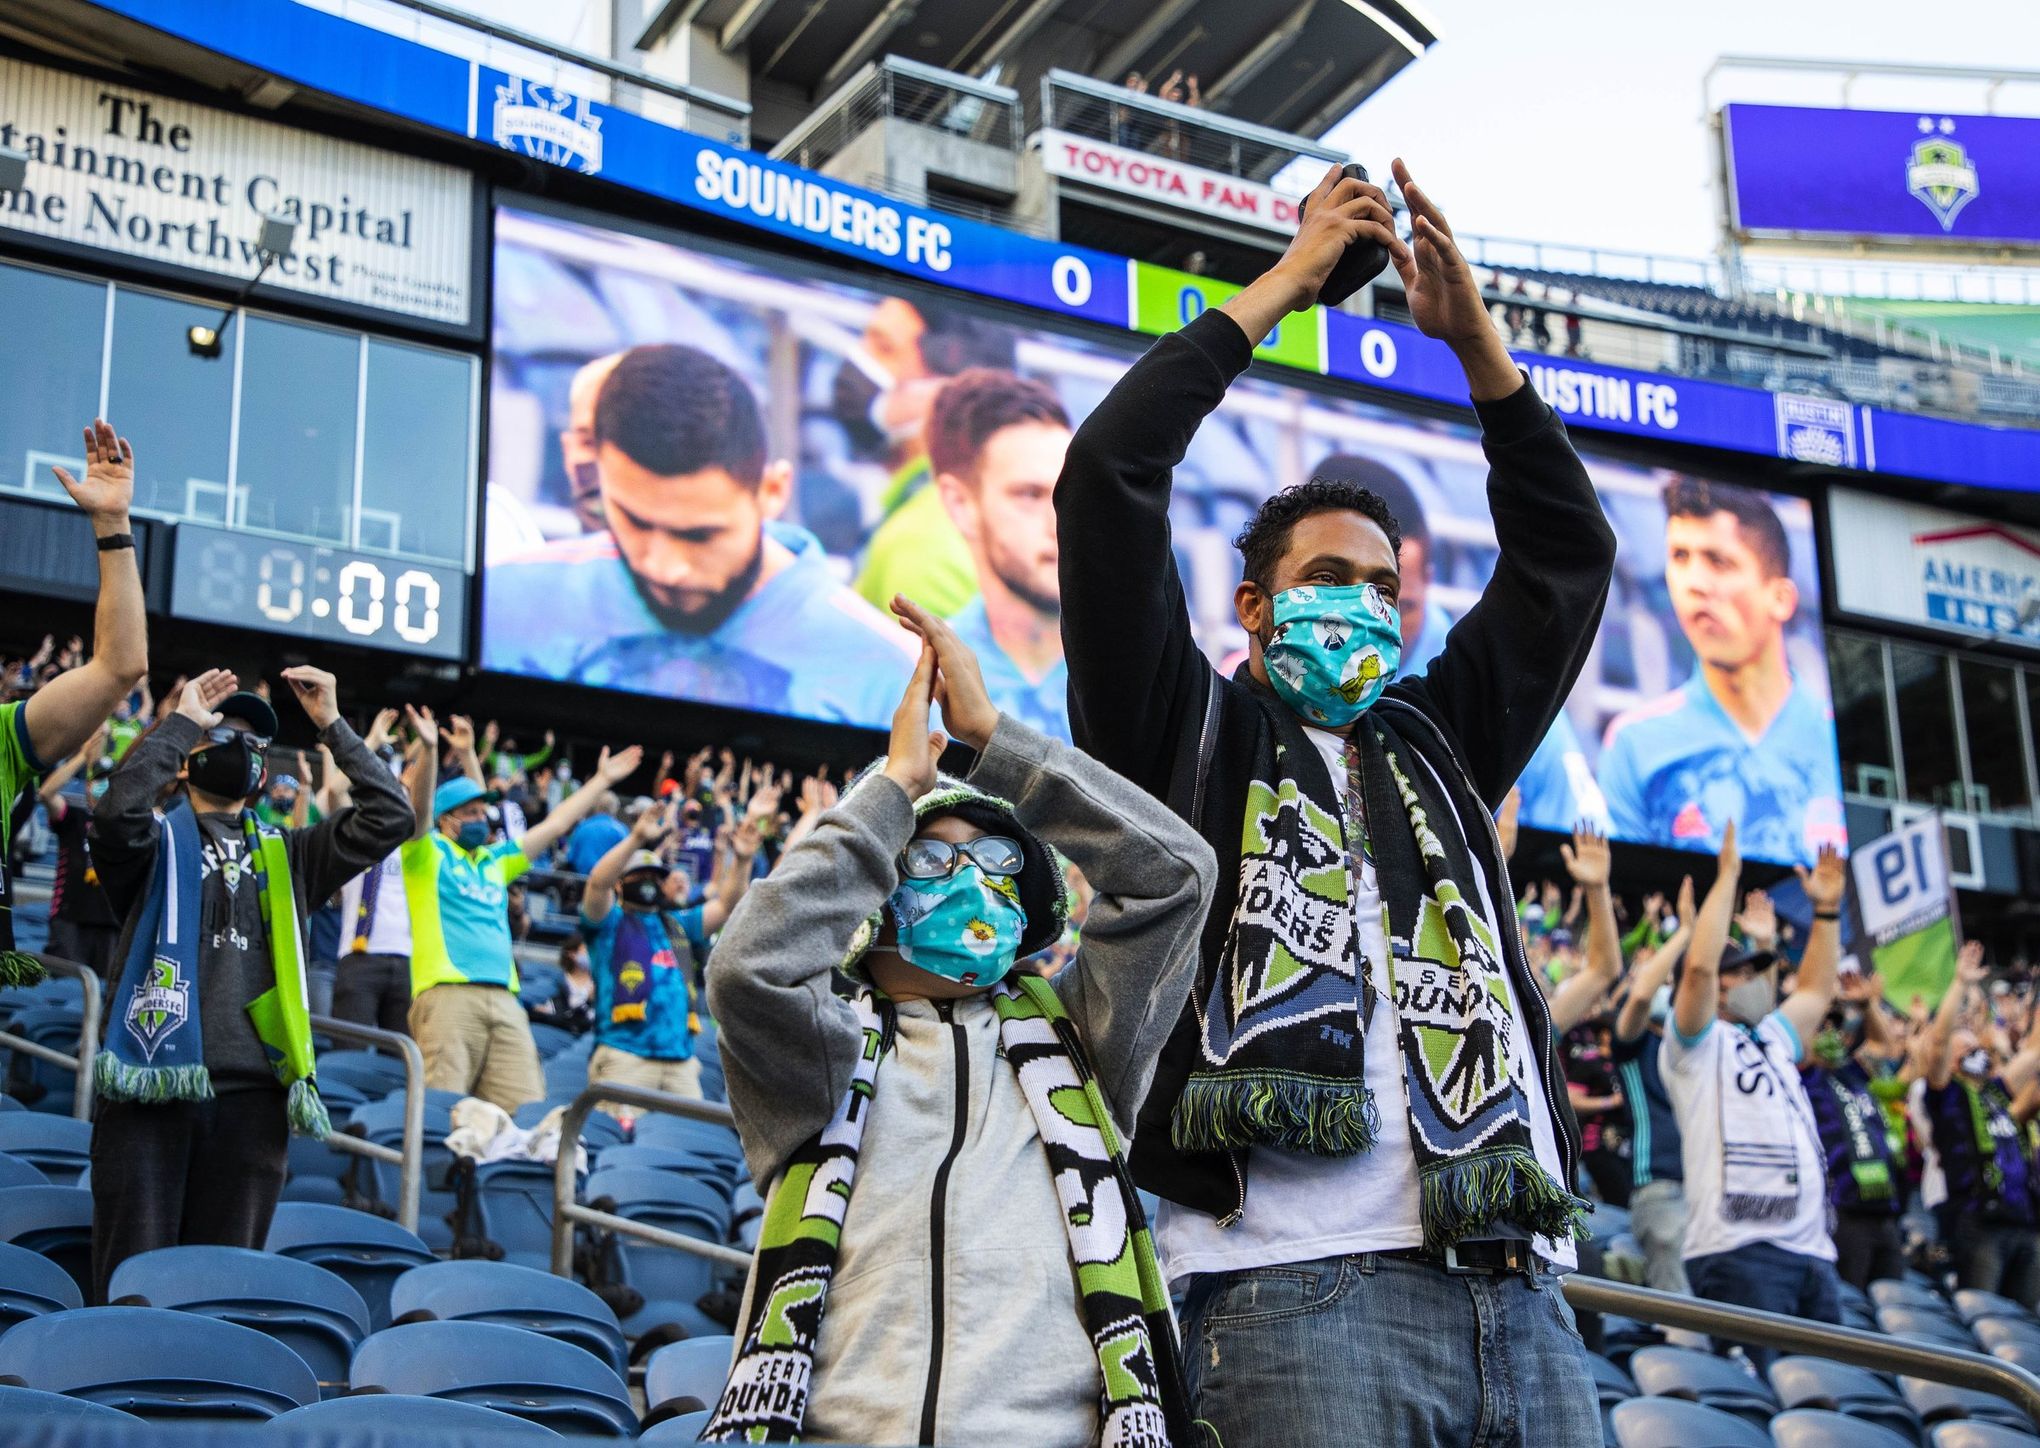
(1997, 748)
(1862, 722)
(49, 374)
(172, 405)
(295, 472)
(415, 452)
(1926, 723)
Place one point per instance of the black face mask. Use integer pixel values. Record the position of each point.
(227, 771)
(643, 892)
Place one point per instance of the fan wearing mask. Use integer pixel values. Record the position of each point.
(952, 1248)
(1756, 1173)
(647, 954)
(1850, 1074)
(207, 1063)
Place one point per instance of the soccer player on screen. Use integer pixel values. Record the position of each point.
(1743, 739)
(691, 591)
(996, 443)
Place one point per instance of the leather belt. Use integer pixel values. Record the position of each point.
(1488, 1257)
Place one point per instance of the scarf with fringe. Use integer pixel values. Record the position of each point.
(1121, 1297)
(1284, 1015)
(155, 1039)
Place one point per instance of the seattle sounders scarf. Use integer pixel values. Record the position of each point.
(1121, 1296)
(1283, 1017)
(155, 1040)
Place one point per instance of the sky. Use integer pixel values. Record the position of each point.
(1581, 121)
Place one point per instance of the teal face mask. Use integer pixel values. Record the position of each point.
(965, 928)
(1332, 651)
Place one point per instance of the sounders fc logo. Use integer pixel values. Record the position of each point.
(548, 124)
(159, 1006)
(1939, 172)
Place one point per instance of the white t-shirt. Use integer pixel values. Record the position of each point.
(1692, 1076)
(1301, 1207)
(389, 933)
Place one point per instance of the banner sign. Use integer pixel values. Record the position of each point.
(1808, 172)
(1172, 183)
(1926, 566)
(130, 172)
(407, 79)
(1907, 906)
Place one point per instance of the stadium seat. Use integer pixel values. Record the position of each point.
(1925, 1325)
(1974, 1306)
(513, 1296)
(1812, 1382)
(57, 1146)
(1700, 1377)
(695, 1369)
(1997, 1332)
(1968, 1433)
(382, 1122)
(22, 1406)
(391, 1418)
(33, 1286)
(514, 1200)
(1674, 1423)
(14, 1172)
(315, 1169)
(8, 1103)
(1818, 1428)
(686, 1428)
(49, 1089)
(1903, 1292)
(671, 1281)
(706, 1137)
(520, 1373)
(2019, 1355)
(1939, 1402)
(1622, 1337)
(598, 1131)
(711, 1169)
(308, 1309)
(368, 1251)
(54, 1222)
(157, 1364)
(550, 1039)
(377, 1075)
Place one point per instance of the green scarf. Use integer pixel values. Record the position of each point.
(1121, 1295)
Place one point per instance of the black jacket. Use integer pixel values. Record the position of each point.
(1146, 701)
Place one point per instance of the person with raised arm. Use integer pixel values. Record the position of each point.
(1657, 1191)
(1589, 861)
(1847, 1078)
(1361, 1123)
(372, 985)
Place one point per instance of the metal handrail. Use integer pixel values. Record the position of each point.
(1871, 1350)
(410, 1160)
(567, 1211)
(1224, 125)
(88, 1034)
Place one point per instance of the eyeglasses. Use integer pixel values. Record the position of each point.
(939, 859)
(223, 734)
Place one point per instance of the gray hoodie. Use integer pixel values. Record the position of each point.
(954, 1303)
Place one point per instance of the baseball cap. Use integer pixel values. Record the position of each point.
(457, 792)
(1739, 957)
(643, 860)
(251, 709)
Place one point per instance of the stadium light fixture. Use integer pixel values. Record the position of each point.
(272, 243)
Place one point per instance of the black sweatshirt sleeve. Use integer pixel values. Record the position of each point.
(1134, 664)
(327, 855)
(124, 823)
(1510, 661)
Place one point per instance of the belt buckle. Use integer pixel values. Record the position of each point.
(1455, 1269)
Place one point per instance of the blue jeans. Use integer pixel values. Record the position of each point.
(1770, 1279)
(1377, 1349)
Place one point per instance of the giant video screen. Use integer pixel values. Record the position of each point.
(709, 471)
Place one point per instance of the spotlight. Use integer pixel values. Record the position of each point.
(272, 244)
(204, 341)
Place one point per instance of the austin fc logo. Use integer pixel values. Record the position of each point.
(1940, 172)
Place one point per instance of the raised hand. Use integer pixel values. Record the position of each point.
(959, 687)
(108, 487)
(201, 698)
(424, 728)
(1587, 859)
(1728, 859)
(317, 690)
(380, 729)
(1444, 296)
(614, 769)
(460, 733)
(1828, 882)
(1969, 966)
(1505, 822)
(649, 827)
(1860, 986)
(911, 754)
(1758, 920)
(1685, 905)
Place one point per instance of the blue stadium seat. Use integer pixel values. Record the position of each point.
(1674, 1423)
(1903, 1292)
(368, 1251)
(657, 1129)
(14, 1172)
(520, 1373)
(1997, 1332)
(49, 1089)
(1926, 1325)
(22, 1406)
(1812, 1382)
(515, 1203)
(671, 1281)
(8, 1103)
(696, 1369)
(513, 1296)
(57, 1146)
(1818, 1428)
(1611, 1386)
(685, 1160)
(1968, 1433)
(157, 1364)
(598, 1131)
(55, 1222)
(33, 1286)
(382, 1122)
(308, 1309)
(550, 1039)
(686, 1428)
(1700, 1377)
(391, 1418)
(2019, 1355)
(1974, 1306)
(377, 1075)
(315, 1169)
(1940, 1402)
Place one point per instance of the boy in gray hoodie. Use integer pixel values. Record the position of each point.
(953, 1250)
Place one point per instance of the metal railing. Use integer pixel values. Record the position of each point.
(409, 1160)
(899, 89)
(1870, 1350)
(567, 1212)
(88, 1034)
(1189, 134)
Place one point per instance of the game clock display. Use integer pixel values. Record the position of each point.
(313, 591)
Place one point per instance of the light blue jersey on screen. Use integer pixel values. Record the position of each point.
(803, 644)
(1044, 706)
(1558, 787)
(1678, 769)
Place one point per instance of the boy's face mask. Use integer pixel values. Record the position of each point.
(1332, 651)
(1751, 1000)
(229, 768)
(965, 928)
